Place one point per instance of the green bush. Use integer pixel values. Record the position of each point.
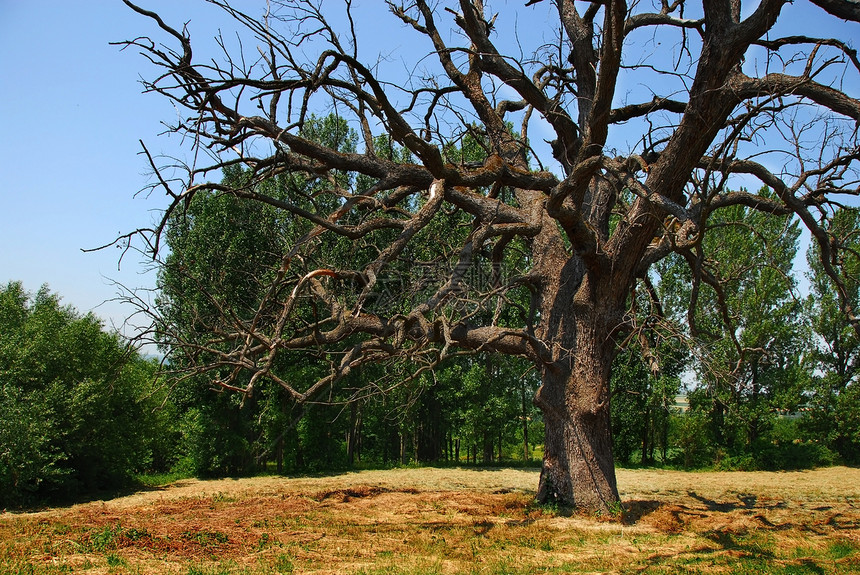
(743, 461)
(787, 449)
(78, 409)
(688, 432)
(29, 460)
(834, 419)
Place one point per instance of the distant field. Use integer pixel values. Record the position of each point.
(450, 521)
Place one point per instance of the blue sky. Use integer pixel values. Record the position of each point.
(72, 114)
(69, 162)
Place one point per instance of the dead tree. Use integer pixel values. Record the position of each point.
(631, 178)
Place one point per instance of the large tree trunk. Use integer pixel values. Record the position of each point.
(578, 465)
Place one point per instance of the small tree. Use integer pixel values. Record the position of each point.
(834, 401)
(748, 329)
(643, 404)
(629, 180)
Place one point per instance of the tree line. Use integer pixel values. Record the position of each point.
(771, 388)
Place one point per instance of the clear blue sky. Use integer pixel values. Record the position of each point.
(72, 114)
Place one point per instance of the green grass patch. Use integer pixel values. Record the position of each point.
(843, 549)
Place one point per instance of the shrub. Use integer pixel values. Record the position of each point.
(77, 407)
(689, 433)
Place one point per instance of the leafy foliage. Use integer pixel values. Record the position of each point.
(642, 406)
(834, 397)
(741, 312)
(77, 407)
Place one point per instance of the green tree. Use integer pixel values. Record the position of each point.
(489, 405)
(834, 398)
(209, 277)
(209, 270)
(642, 405)
(79, 408)
(746, 326)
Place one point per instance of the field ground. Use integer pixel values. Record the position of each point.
(450, 521)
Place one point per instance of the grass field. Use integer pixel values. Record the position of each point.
(450, 521)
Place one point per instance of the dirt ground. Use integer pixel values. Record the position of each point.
(453, 520)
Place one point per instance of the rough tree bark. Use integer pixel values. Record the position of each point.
(590, 221)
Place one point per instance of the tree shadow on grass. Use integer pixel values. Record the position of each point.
(635, 510)
(90, 496)
(744, 502)
(734, 557)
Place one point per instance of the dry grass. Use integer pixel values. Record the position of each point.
(450, 521)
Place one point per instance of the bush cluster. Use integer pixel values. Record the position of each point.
(78, 409)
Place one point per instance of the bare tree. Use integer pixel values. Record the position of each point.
(727, 97)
